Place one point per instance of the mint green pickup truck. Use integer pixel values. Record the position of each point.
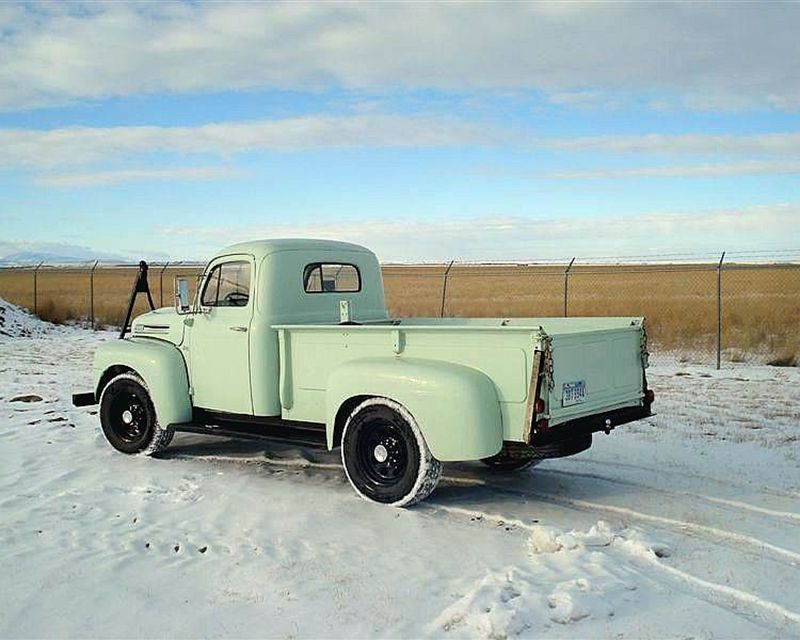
(289, 340)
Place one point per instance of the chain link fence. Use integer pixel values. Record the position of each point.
(95, 294)
(706, 313)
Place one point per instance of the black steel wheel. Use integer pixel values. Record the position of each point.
(385, 456)
(128, 418)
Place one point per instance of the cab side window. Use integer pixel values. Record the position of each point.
(228, 285)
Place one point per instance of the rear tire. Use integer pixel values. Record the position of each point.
(385, 456)
(128, 417)
(514, 456)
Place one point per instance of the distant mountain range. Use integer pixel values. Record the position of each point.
(27, 258)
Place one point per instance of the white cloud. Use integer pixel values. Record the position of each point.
(75, 146)
(785, 143)
(691, 171)
(529, 239)
(765, 228)
(107, 178)
(82, 145)
(588, 100)
(712, 55)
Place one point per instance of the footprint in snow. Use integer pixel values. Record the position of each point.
(27, 398)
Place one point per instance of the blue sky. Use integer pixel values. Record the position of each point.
(426, 131)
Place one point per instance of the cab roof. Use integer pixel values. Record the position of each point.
(264, 247)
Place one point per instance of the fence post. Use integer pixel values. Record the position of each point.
(91, 293)
(719, 310)
(161, 284)
(566, 285)
(444, 286)
(35, 289)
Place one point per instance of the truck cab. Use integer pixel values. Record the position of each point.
(248, 289)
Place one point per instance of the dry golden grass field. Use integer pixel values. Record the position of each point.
(760, 303)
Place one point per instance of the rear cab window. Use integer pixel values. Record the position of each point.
(331, 277)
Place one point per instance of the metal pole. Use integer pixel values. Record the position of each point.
(91, 292)
(161, 284)
(444, 286)
(566, 285)
(35, 288)
(719, 310)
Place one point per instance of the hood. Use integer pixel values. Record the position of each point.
(164, 324)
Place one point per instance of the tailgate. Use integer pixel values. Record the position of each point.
(594, 372)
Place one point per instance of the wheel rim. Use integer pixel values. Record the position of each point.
(382, 454)
(128, 417)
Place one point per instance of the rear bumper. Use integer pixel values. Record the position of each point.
(83, 399)
(590, 424)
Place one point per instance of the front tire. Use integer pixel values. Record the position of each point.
(128, 417)
(385, 456)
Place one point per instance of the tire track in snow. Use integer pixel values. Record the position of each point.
(482, 515)
(702, 529)
(300, 463)
(729, 598)
(738, 504)
(685, 473)
(681, 525)
(751, 507)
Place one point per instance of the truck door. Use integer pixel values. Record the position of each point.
(220, 347)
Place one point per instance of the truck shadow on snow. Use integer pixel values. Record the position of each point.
(462, 482)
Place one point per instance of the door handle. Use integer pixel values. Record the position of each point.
(238, 328)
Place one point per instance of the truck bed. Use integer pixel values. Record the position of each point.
(603, 356)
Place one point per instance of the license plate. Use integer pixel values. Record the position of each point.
(573, 393)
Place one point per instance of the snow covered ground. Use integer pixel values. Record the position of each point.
(684, 525)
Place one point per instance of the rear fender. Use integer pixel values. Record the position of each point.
(161, 366)
(456, 407)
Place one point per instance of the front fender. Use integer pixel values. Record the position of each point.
(456, 407)
(161, 366)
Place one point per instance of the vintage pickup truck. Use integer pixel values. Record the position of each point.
(290, 340)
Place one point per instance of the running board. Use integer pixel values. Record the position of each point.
(274, 429)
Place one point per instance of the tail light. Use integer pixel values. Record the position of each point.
(649, 396)
(542, 425)
(538, 406)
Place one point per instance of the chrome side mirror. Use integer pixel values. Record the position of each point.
(182, 303)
